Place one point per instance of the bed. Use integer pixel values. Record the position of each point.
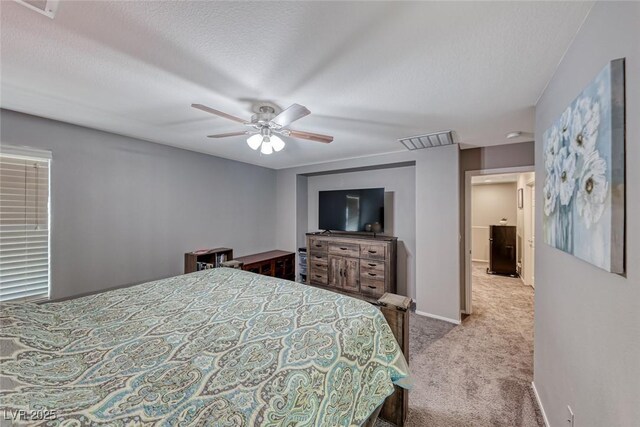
(217, 347)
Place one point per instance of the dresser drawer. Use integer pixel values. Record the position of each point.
(372, 265)
(318, 263)
(373, 251)
(318, 276)
(317, 256)
(317, 244)
(371, 273)
(344, 249)
(371, 286)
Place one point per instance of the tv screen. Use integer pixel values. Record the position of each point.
(351, 210)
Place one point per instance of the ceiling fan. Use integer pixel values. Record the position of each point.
(265, 124)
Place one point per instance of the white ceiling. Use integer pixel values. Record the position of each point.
(369, 72)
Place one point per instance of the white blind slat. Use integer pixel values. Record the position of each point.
(28, 291)
(28, 258)
(31, 282)
(23, 256)
(24, 246)
(21, 267)
(24, 273)
(10, 244)
(24, 223)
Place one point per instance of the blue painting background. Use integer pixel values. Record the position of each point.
(564, 228)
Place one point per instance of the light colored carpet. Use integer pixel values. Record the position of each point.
(478, 373)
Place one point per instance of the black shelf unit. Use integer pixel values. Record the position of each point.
(502, 250)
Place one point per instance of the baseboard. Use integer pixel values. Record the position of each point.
(435, 316)
(544, 414)
(480, 260)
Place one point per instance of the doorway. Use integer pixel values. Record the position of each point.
(499, 228)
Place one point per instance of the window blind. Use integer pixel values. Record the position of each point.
(24, 223)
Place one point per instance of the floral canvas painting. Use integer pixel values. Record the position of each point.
(584, 192)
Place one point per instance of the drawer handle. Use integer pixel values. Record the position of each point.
(318, 257)
(372, 287)
(318, 265)
(372, 252)
(373, 265)
(318, 276)
(372, 274)
(343, 249)
(318, 246)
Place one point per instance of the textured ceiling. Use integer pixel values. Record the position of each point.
(369, 72)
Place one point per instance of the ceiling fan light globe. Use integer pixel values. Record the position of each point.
(277, 143)
(254, 141)
(267, 148)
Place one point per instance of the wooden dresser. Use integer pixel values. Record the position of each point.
(357, 264)
(280, 264)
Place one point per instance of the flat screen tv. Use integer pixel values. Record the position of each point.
(351, 210)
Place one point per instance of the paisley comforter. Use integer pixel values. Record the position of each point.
(220, 347)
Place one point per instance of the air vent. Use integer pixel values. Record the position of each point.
(429, 140)
(46, 7)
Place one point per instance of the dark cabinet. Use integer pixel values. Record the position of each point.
(502, 250)
(206, 258)
(278, 264)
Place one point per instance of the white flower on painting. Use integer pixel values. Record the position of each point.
(550, 193)
(584, 126)
(551, 148)
(565, 170)
(592, 190)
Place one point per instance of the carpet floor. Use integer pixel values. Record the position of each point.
(478, 373)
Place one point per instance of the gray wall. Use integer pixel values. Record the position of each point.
(492, 202)
(125, 211)
(489, 204)
(587, 321)
(400, 210)
(437, 243)
(497, 156)
(437, 217)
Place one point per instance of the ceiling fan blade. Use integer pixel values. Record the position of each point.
(290, 115)
(311, 136)
(224, 135)
(218, 113)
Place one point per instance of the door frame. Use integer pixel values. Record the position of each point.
(529, 231)
(467, 309)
